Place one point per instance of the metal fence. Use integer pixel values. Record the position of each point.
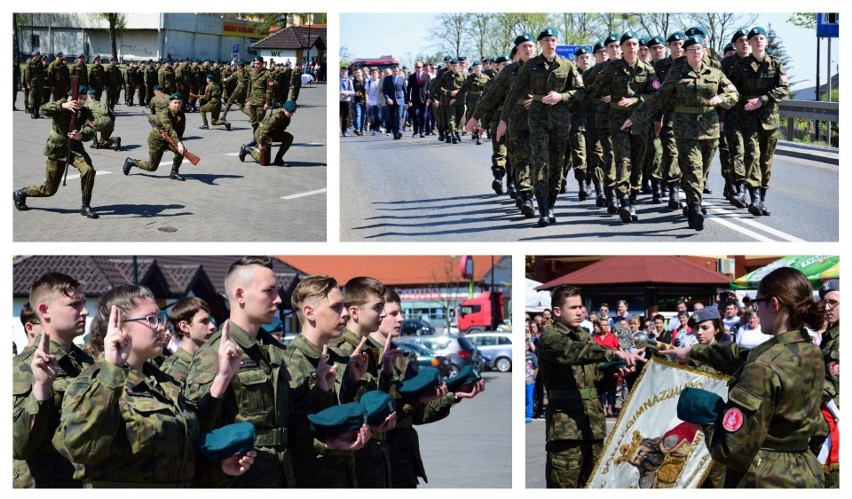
(809, 110)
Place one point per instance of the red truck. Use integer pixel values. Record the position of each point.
(483, 312)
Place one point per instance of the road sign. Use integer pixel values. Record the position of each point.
(568, 51)
(828, 25)
(236, 48)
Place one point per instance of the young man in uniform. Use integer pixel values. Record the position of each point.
(273, 128)
(173, 121)
(191, 321)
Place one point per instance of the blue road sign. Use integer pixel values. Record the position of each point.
(236, 48)
(568, 51)
(828, 25)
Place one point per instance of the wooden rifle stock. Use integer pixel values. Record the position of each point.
(186, 154)
(75, 94)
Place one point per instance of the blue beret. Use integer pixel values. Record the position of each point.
(379, 405)
(522, 38)
(628, 35)
(829, 286)
(742, 32)
(290, 106)
(703, 315)
(548, 32)
(426, 380)
(612, 38)
(698, 406)
(676, 36)
(757, 30)
(228, 440)
(696, 30)
(693, 40)
(467, 374)
(176, 96)
(337, 419)
(654, 41)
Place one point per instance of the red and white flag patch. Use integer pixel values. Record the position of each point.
(834, 368)
(655, 84)
(733, 419)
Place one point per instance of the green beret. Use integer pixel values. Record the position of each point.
(643, 41)
(742, 32)
(453, 61)
(548, 32)
(610, 368)
(502, 58)
(467, 374)
(379, 405)
(696, 30)
(259, 59)
(654, 41)
(757, 30)
(676, 36)
(581, 51)
(627, 36)
(426, 380)
(83, 90)
(729, 47)
(337, 419)
(524, 37)
(290, 106)
(612, 38)
(211, 76)
(600, 45)
(475, 63)
(699, 406)
(176, 96)
(693, 40)
(228, 440)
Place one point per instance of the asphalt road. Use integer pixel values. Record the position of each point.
(221, 199)
(442, 192)
(472, 447)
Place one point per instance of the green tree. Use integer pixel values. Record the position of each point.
(449, 32)
(775, 48)
(721, 25)
(117, 24)
(804, 19)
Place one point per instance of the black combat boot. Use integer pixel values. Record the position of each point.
(541, 201)
(116, 143)
(611, 204)
(510, 189)
(204, 127)
(624, 211)
(279, 157)
(86, 210)
(527, 207)
(696, 216)
(656, 196)
(227, 125)
(458, 138)
(440, 135)
(756, 205)
(478, 138)
(728, 191)
(448, 138)
(763, 209)
(551, 204)
(646, 184)
(600, 199)
(175, 174)
(253, 143)
(633, 214)
(20, 198)
(243, 152)
(738, 195)
(674, 196)
(95, 143)
(583, 194)
(497, 183)
(128, 164)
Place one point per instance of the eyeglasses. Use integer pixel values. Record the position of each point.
(831, 303)
(695, 49)
(756, 301)
(154, 321)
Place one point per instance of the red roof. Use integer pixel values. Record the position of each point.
(390, 270)
(640, 270)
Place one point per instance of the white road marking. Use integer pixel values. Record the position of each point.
(713, 208)
(77, 175)
(303, 194)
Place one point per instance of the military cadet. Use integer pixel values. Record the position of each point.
(575, 155)
(166, 77)
(319, 306)
(273, 128)
(58, 77)
(285, 81)
(192, 323)
(470, 92)
(212, 103)
(772, 411)
(173, 122)
(122, 414)
(604, 153)
(695, 95)
(732, 158)
(826, 443)
(491, 104)
(445, 91)
(569, 363)
(260, 391)
(259, 87)
(669, 170)
(654, 155)
(45, 88)
(594, 146)
(104, 123)
(240, 79)
(42, 373)
(97, 76)
(296, 83)
(551, 83)
(56, 149)
(183, 81)
(149, 78)
(195, 77)
(35, 78)
(364, 299)
(25, 77)
(762, 83)
(130, 77)
(30, 323)
(159, 100)
(80, 70)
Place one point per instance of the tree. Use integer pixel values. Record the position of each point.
(804, 20)
(345, 55)
(117, 24)
(450, 33)
(480, 24)
(446, 287)
(775, 48)
(721, 25)
(508, 25)
(578, 28)
(658, 23)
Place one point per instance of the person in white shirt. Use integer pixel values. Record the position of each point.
(750, 335)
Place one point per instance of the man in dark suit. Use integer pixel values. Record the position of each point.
(393, 88)
(417, 95)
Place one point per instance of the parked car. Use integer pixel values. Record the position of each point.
(426, 357)
(458, 349)
(416, 327)
(497, 347)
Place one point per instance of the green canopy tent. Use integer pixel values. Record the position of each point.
(817, 268)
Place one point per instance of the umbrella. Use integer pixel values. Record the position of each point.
(817, 268)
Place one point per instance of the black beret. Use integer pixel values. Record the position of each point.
(548, 32)
(612, 38)
(742, 32)
(627, 36)
(581, 51)
(693, 40)
(655, 40)
(696, 30)
(676, 36)
(757, 30)
(729, 47)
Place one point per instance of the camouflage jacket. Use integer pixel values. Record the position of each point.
(177, 364)
(113, 77)
(492, 100)
(514, 114)
(213, 93)
(149, 75)
(618, 80)
(97, 76)
(473, 85)
(568, 364)
(689, 93)
(166, 79)
(130, 75)
(772, 410)
(313, 465)
(119, 423)
(159, 103)
(272, 127)
(36, 462)
(260, 88)
(183, 75)
(538, 77)
(56, 147)
(241, 77)
(79, 69)
(103, 116)
(448, 82)
(58, 75)
(296, 78)
(765, 79)
(286, 78)
(172, 124)
(600, 109)
(830, 347)
(259, 393)
(34, 73)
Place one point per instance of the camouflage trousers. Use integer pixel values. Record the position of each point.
(695, 157)
(776, 469)
(238, 97)
(112, 95)
(59, 91)
(294, 93)
(404, 451)
(570, 462)
(35, 96)
(519, 151)
(547, 155)
(575, 156)
(736, 154)
(255, 114)
(653, 157)
(156, 149)
(286, 140)
(214, 108)
(628, 147)
(759, 152)
(104, 138)
(450, 114)
(606, 166)
(498, 152)
(55, 170)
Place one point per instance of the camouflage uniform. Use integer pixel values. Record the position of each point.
(212, 104)
(35, 78)
(130, 78)
(491, 104)
(575, 420)
(58, 78)
(733, 165)
(450, 82)
(830, 347)
(36, 462)
(575, 155)
(114, 81)
(259, 95)
(258, 393)
(79, 70)
(670, 173)
(372, 462)
(604, 165)
(518, 147)
(313, 465)
(149, 77)
(548, 124)
(183, 79)
(273, 129)
(119, 423)
(772, 411)
(97, 78)
(103, 123)
(296, 83)
(167, 79)
(470, 92)
(766, 80)
(238, 94)
(177, 364)
(159, 103)
(174, 125)
(286, 78)
(594, 147)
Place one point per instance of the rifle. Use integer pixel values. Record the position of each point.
(186, 154)
(75, 94)
(262, 159)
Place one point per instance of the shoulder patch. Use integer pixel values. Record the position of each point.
(655, 84)
(732, 87)
(784, 78)
(834, 368)
(733, 419)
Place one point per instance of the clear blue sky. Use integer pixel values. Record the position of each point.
(404, 35)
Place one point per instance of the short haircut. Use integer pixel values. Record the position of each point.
(51, 285)
(239, 271)
(318, 286)
(28, 315)
(661, 317)
(601, 322)
(559, 294)
(359, 290)
(392, 296)
(620, 302)
(184, 310)
(604, 304)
